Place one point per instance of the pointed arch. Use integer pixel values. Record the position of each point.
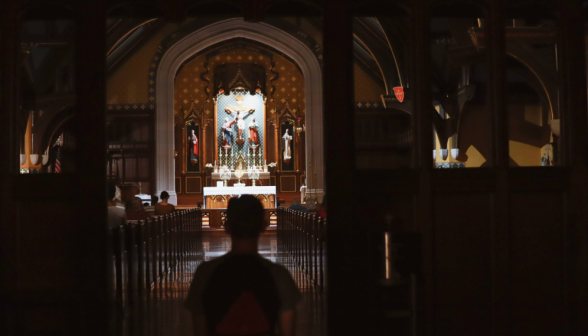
(210, 35)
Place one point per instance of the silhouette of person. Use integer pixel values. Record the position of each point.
(296, 206)
(241, 293)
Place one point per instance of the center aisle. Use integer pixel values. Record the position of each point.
(216, 244)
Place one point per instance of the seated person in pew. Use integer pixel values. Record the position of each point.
(321, 208)
(151, 208)
(116, 215)
(164, 208)
(241, 293)
(135, 210)
(296, 206)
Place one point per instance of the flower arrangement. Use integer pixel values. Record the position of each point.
(208, 165)
(272, 165)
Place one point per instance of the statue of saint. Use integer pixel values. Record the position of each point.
(228, 132)
(253, 134)
(303, 193)
(193, 148)
(287, 149)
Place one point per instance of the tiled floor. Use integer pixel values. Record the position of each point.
(166, 315)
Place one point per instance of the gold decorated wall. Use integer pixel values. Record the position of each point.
(289, 85)
(129, 83)
(366, 89)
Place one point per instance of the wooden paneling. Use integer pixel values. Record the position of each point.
(216, 216)
(461, 264)
(208, 181)
(193, 185)
(217, 202)
(288, 183)
(273, 180)
(538, 283)
(178, 185)
(46, 265)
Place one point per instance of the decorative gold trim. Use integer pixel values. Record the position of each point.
(194, 120)
(262, 195)
(281, 184)
(376, 60)
(193, 192)
(392, 50)
(264, 132)
(215, 155)
(287, 111)
(539, 79)
(127, 34)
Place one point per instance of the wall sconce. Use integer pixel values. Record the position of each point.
(175, 154)
(299, 130)
(23, 159)
(443, 153)
(34, 159)
(455, 152)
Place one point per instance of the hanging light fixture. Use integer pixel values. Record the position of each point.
(23, 159)
(455, 152)
(443, 153)
(34, 159)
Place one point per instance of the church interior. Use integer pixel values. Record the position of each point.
(450, 136)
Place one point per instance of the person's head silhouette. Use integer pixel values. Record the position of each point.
(242, 293)
(245, 217)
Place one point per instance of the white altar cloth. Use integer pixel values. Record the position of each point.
(145, 198)
(258, 190)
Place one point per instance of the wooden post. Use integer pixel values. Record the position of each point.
(342, 232)
(9, 147)
(264, 134)
(90, 81)
(501, 284)
(201, 145)
(277, 142)
(423, 158)
(575, 145)
(215, 156)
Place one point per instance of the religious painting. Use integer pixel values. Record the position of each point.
(287, 145)
(193, 148)
(240, 122)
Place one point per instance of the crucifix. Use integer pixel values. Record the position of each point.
(241, 112)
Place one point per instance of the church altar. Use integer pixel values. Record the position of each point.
(218, 197)
(262, 176)
(242, 128)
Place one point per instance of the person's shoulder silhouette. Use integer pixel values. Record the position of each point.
(242, 293)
